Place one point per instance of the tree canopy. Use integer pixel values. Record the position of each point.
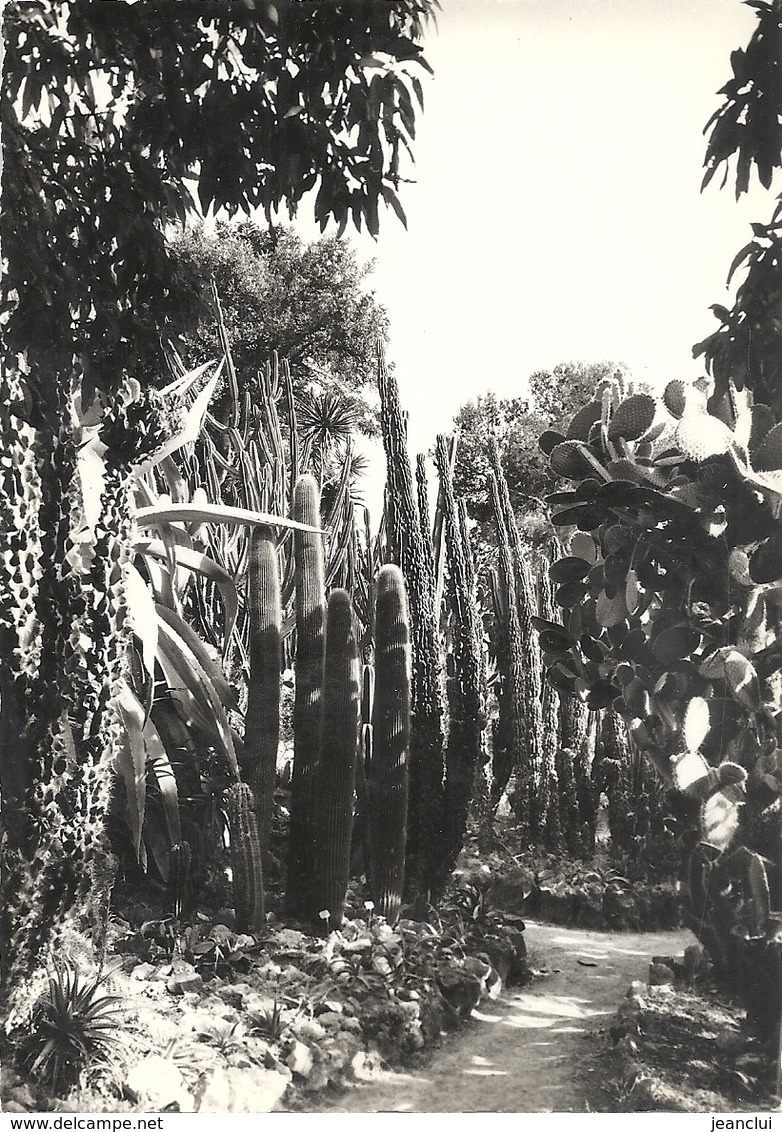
(119, 119)
(746, 129)
(309, 302)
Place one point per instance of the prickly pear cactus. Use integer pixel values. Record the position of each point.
(669, 597)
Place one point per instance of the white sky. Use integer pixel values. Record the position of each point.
(557, 213)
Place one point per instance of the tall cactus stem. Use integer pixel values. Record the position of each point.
(337, 764)
(406, 548)
(262, 721)
(468, 710)
(310, 610)
(387, 774)
(512, 724)
(245, 859)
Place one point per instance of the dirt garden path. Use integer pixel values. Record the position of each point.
(537, 1049)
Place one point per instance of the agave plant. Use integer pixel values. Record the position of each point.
(175, 699)
(73, 1026)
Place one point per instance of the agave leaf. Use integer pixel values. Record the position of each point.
(189, 433)
(181, 384)
(205, 686)
(160, 514)
(205, 566)
(131, 762)
(142, 617)
(160, 765)
(193, 642)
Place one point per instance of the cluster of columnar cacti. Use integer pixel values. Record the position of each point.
(327, 733)
(519, 734)
(411, 552)
(445, 776)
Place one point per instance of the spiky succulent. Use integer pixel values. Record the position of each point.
(73, 1026)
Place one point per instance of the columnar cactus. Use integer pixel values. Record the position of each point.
(310, 609)
(482, 794)
(63, 653)
(246, 864)
(337, 763)
(262, 720)
(425, 818)
(387, 769)
(549, 742)
(511, 734)
(467, 706)
(530, 788)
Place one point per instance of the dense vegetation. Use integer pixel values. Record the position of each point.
(184, 599)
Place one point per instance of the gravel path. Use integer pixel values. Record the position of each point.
(538, 1049)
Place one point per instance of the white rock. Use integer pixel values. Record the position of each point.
(241, 1090)
(157, 1026)
(157, 1082)
(143, 971)
(330, 1021)
(289, 937)
(299, 1060)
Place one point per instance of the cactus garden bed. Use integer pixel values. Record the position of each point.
(607, 892)
(682, 1045)
(209, 1019)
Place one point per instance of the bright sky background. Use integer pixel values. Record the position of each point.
(557, 214)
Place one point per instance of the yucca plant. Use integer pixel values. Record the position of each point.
(73, 1026)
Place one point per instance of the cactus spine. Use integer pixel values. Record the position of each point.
(245, 859)
(262, 722)
(387, 771)
(310, 608)
(337, 764)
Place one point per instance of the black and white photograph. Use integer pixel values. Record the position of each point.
(390, 561)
